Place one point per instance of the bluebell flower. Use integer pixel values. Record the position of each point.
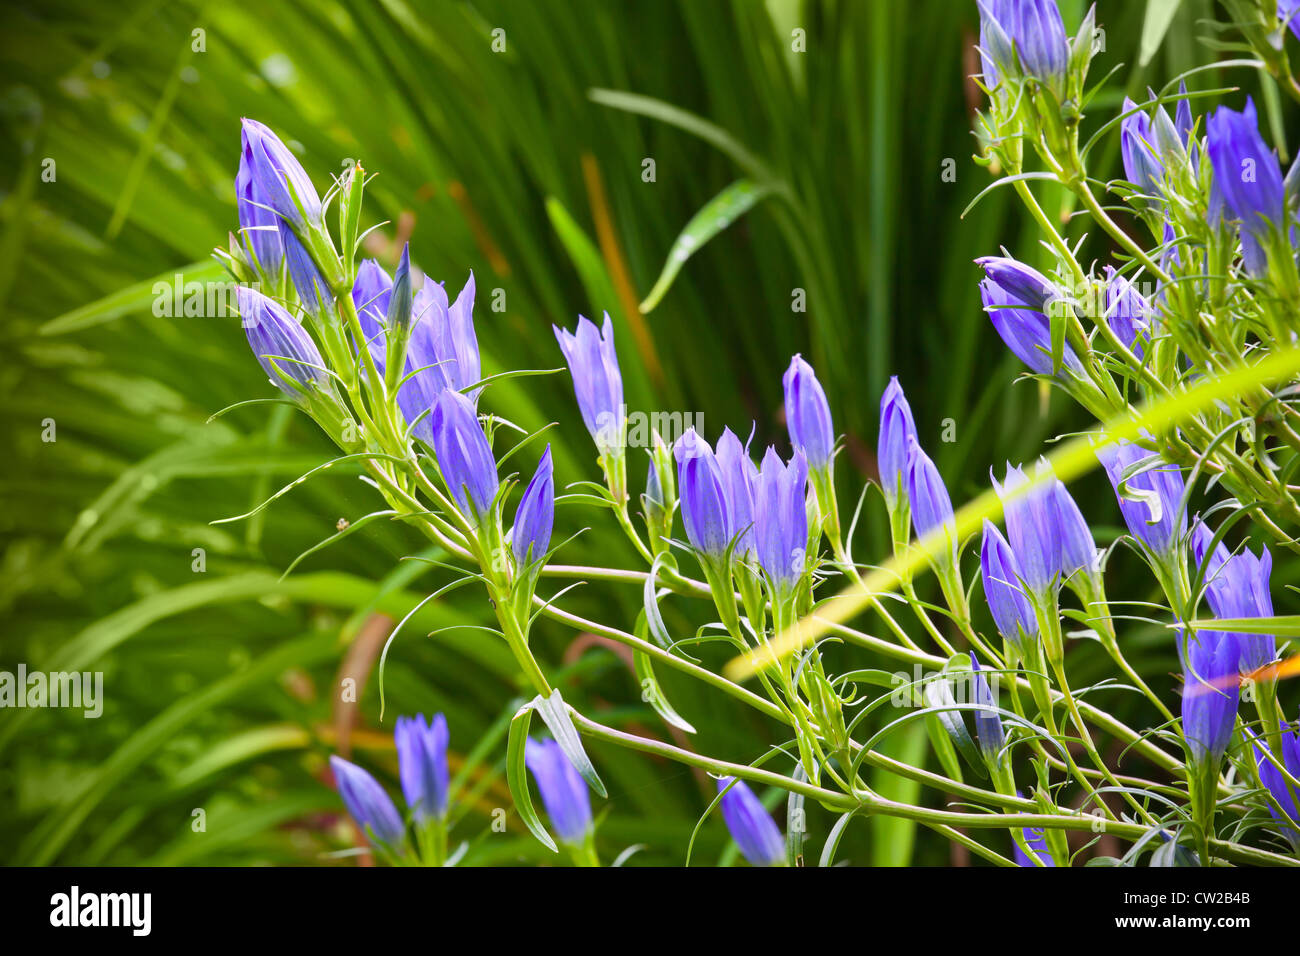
(1015, 297)
(702, 495)
(1078, 547)
(563, 790)
(464, 455)
(313, 291)
(808, 414)
(1021, 283)
(988, 723)
(1202, 537)
(1150, 143)
(896, 426)
(531, 534)
(931, 505)
(258, 223)
(1142, 166)
(444, 346)
(441, 353)
(1210, 693)
(278, 176)
(370, 296)
(781, 521)
(1033, 527)
(1036, 840)
(1247, 181)
(1012, 611)
(282, 346)
(1285, 793)
(1029, 31)
(1128, 312)
(738, 479)
(368, 803)
(750, 825)
(597, 381)
(1183, 121)
(1155, 516)
(1237, 586)
(422, 764)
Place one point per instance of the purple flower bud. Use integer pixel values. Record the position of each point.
(1151, 499)
(1128, 313)
(807, 414)
(1012, 611)
(1036, 841)
(563, 790)
(738, 479)
(1142, 167)
(397, 315)
(370, 295)
(1014, 297)
(896, 426)
(1036, 32)
(996, 47)
(1078, 547)
(781, 521)
(1286, 794)
(282, 346)
(278, 176)
(368, 803)
(257, 221)
(1210, 693)
(596, 380)
(1021, 283)
(1183, 121)
(988, 723)
(464, 456)
(535, 518)
(1033, 526)
(422, 764)
(931, 506)
(750, 825)
(702, 492)
(313, 290)
(1247, 180)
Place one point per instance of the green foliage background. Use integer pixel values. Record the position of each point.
(222, 688)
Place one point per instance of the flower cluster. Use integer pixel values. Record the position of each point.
(422, 767)
(389, 365)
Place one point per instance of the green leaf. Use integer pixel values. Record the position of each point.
(517, 776)
(338, 535)
(685, 120)
(585, 257)
(1159, 14)
(555, 714)
(653, 694)
(714, 216)
(943, 747)
(893, 838)
(650, 600)
(1286, 625)
(796, 823)
(833, 839)
(939, 695)
(139, 297)
(45, 841)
